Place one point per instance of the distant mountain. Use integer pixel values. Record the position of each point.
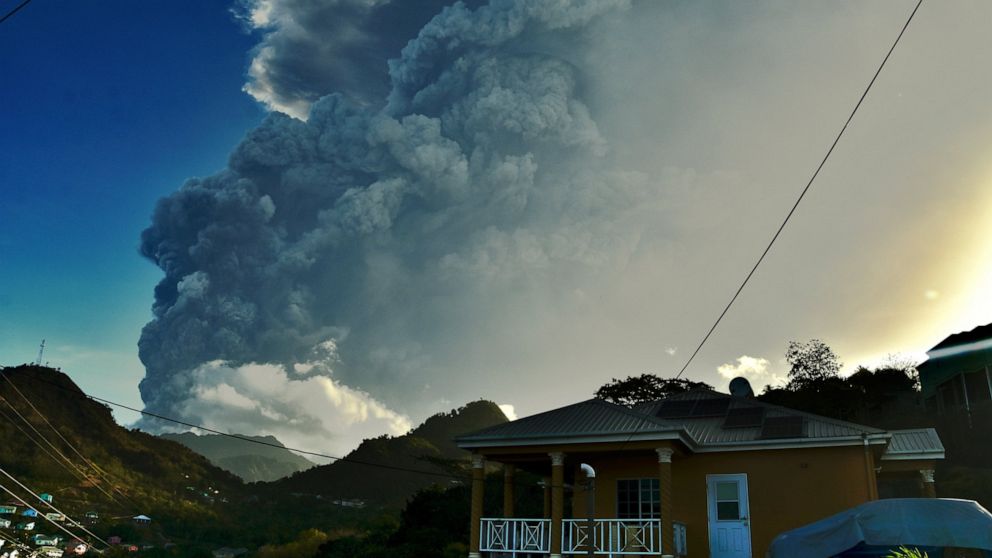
(251, 462)
(372, 471)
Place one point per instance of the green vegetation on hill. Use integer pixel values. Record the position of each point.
(429, 448)
(200, 507)
(251, 462)
(143, 474)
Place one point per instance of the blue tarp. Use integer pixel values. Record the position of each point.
(923, 522)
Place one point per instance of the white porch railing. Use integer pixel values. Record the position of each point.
(613, 537)
(515, 536)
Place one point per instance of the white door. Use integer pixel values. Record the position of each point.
(729, 523)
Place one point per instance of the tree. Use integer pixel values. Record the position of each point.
(810, 363)
(645, 388)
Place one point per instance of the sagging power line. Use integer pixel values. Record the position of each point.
(802, 194)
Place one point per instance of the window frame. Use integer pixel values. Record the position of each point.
(653, 501)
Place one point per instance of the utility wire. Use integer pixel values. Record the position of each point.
(40, 515)
(79, 393)
(802, 194)
(48, 452)
(57, 451)
(51, 505)
(100, 473)
(4, 535)
(334, 458)
(14, 11)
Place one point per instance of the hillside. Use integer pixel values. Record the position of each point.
(118, 473)
(429, 448)
(251, 462)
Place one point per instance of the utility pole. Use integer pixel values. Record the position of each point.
(41, 352)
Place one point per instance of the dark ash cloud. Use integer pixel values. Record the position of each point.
(401, 235)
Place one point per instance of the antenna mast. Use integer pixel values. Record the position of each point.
(41, 352)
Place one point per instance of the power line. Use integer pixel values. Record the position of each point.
(14, 11)
(91, 464)
(74, 473)
(79, 393)
(51, 505)
(803, 193)
(39, 514)
(246, 439)
(56, 450)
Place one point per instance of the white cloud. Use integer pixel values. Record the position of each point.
(508, 410)
(315, 413)
(670, 351)
(755, 369)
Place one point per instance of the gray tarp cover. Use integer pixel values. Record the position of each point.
(898, 521)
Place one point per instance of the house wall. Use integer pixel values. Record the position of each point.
(787, 488)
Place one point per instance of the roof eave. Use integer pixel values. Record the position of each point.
(916, 456)
(555, 440)
(795, 443)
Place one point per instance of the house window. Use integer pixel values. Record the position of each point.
(728, 501)
(638, 499)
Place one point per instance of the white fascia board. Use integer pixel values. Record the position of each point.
(875, 439)
(593, 439)
(912, 456)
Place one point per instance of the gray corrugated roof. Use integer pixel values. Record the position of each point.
(587, 418)
(710, 431)
(914, 442)
(596, 417)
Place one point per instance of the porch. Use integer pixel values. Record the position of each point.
(638, 520)
(611, 537)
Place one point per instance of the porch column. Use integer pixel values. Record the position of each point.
(557, 501)
(478, 490)
(509, 490)
(929, 487)
(665, 494)
(546, 485)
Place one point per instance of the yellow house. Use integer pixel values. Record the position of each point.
(699, 474)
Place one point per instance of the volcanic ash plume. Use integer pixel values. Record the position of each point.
(477, 199)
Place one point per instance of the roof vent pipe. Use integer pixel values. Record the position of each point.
(590, 507)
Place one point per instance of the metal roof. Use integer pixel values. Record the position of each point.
(979, 333)
(587, 418)
(710, 431)
(914, 444)
(601, 420)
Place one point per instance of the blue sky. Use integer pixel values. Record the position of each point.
(107, 106)
(707, 121)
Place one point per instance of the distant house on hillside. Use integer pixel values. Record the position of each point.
(114, 539)
(229, 552)
(29, 513)
(720, 474)
(47, 497)
(92, 517)
(350, 503)
(8, 509)
(45, 540)
(956, 375)
(54, 516)
(4, 523)
(141, 519)
(27, 526)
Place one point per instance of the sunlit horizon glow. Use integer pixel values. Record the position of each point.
(570, 281)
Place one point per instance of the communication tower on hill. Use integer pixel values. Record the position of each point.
(41, 352)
